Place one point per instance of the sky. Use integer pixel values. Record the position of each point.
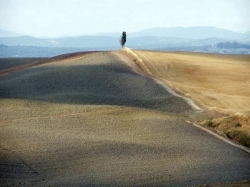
(54, 18)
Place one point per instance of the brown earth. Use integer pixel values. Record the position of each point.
(218, 83)
(90, 120)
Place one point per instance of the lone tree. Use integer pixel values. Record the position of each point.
(123, 38)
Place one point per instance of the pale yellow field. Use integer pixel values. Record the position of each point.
(219, 82)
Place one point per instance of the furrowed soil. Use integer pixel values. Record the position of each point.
(91, 120)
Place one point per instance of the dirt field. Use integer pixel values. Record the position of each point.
(90, 120)
(218, 83)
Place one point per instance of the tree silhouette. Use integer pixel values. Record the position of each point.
(123, 38)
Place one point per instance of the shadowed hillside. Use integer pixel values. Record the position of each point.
(82, 81)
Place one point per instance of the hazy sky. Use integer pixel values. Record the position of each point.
(79, 17)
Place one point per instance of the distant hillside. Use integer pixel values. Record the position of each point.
(190, 33)
(24, 41)
(153, 36)
(4, 33)
(199, 39)
(70, 42)
(232, 45)
(31, 51)
(108, 43)
(247, 34)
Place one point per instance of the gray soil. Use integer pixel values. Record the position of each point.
(6, 63)
(100, 79)
(92, 121)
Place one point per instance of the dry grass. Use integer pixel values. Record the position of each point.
(218, 83)
(235, 127)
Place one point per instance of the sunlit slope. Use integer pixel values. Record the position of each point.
(56, 144)
(219, 82)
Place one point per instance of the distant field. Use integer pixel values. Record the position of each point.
(218, 83)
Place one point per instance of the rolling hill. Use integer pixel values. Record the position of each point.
(190, 33)
(89, 84)
(218, 83)
(93, 119)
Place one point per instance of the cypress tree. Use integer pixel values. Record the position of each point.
(123, 38)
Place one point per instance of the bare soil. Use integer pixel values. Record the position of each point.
(220, 84)
(90, 120)
(6, 63)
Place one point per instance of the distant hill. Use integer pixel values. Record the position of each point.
(189, 33)
(232, 45)
(176, 38)
(152, 36)
(32, 51)
(101, 42)
(247, 34)
(4, 33)
(24, 41)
